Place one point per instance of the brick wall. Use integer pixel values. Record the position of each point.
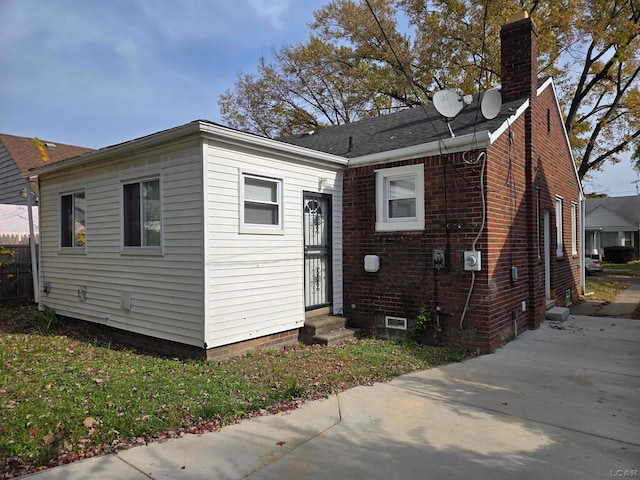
(453, 216)
(526, 168)
(555, 175)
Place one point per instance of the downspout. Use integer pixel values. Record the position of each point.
(582, 244)
(32, 245)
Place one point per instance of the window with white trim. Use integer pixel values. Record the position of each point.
(261, 204)
(574, 229)
(559, 232)
(73, 227)
(400, 198)
(142, 214)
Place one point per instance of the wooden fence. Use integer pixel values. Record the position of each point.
(16, 282)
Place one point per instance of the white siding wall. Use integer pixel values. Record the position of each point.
(255, 283)
(167, 290)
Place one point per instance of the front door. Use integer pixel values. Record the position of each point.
(317, 250)
(547, 255)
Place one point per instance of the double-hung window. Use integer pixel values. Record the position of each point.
(261, 204)
(73, 228)
(142, 215)
(400, 198)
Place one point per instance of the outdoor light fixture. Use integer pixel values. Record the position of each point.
(23, 194)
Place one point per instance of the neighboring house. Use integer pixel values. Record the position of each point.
(197, 239)
(18, 155)
(17, 192)
(419, 203)
(204, 238)
(612, 221)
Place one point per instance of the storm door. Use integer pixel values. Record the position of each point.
(317, 250)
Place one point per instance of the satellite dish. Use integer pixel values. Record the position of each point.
(447, 103)
(491, 104)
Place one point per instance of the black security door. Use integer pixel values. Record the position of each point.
(317, 250)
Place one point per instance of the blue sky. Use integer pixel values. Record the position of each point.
(99, 72)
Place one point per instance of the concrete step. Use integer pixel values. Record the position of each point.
(323, 324)
(557, 314)
(336, 336)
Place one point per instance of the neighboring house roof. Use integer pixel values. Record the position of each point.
(26, 155)
(20, 154)
(627, 207)
(406, 128)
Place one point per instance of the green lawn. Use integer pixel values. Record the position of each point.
(631, 268)
(603, 290)
(65, 395)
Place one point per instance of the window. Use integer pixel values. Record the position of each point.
(559, 232)
(73, 228)
(400, 198)
(261, 204)
(142, 219)
(574, 229)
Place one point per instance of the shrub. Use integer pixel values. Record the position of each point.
(618, 254)
(46, 318)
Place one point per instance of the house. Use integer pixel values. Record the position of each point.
(612, 221)
(17, 156)
(197, 240)
(20, 154)
(481, 227)
(208, 240)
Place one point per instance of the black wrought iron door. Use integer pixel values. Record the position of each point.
(317, 250)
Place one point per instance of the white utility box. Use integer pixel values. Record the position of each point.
(371, 263)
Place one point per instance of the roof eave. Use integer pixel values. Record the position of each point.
(228, 136)
(476, 140)
(194, 129)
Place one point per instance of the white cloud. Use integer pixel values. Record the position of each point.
(95, 73)
(271, 10)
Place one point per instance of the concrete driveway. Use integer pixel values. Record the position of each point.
(561, 402)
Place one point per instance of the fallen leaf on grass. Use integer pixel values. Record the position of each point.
(90, 422)
(49, 438)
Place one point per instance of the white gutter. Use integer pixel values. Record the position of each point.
(447, 145)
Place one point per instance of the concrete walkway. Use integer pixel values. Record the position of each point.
(624, 306)
(561, 402)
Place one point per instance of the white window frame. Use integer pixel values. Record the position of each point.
(140, 249)
(396, 323)
(574, 229)
(559, 228)
(74, 248)
(384, 223)
(259, 228)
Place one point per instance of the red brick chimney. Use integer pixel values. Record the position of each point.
(519, 57)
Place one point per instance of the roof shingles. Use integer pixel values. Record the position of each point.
(26, 156)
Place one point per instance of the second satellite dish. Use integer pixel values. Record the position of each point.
(447, 103)
(491, 104)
